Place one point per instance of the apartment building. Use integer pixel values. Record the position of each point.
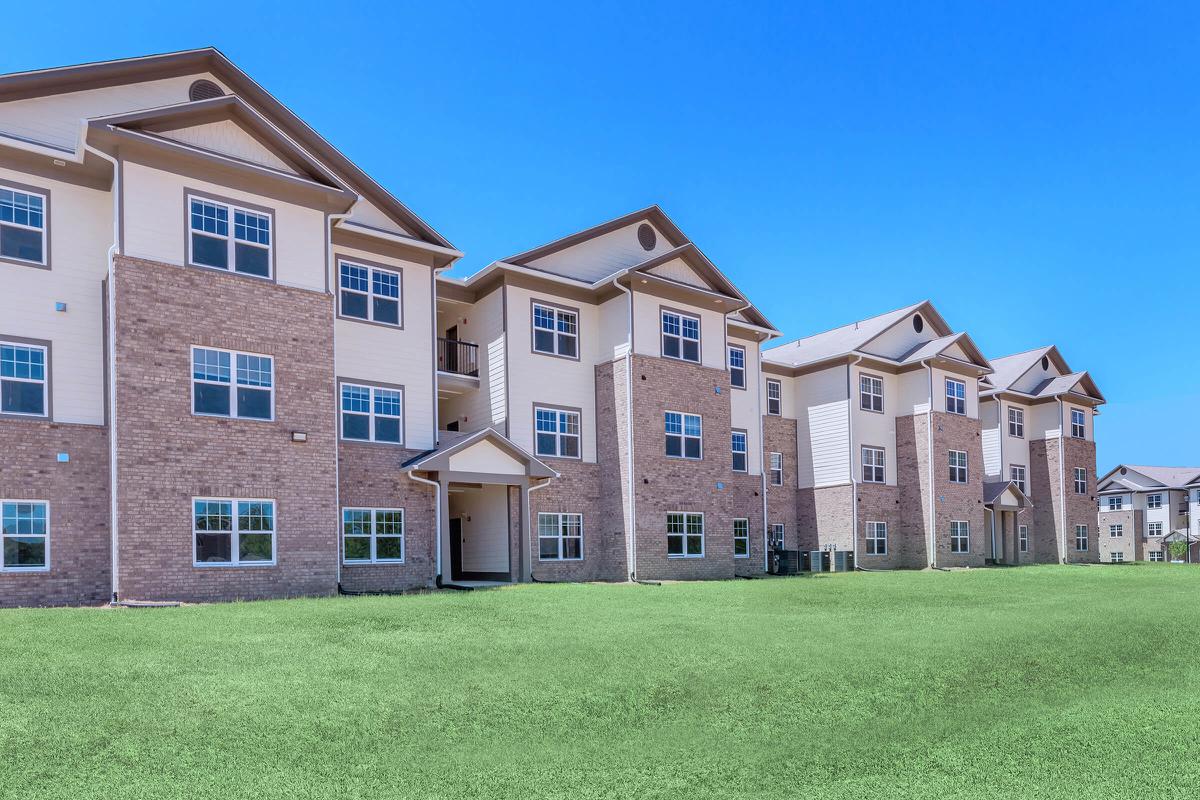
(1143, 509)
(1039, 437)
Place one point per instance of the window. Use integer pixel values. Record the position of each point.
(1016, 474)
(1078, 427)
(680, 336)
(22, 225)
(221, 537)
(1154, 501)
(555, 331)
(1156, 555)
(1023, 538)
(956, 396)
(737, 366)
(230, 384)
(248, 251)
(870, 393)
(1114, 503)
(774, 398)
(25, 529)
(960, 536)
(1154, 529)
(1080, 480)
(873, 460)
(739, 451)
(1116, 531)
(373, 535)
(372, 413)
(557, 432)
(370, 293)
(23, 379)
(1016, 422)
(777, 469)
(775, 536)
(560, 537)
(877, 538)
(958, 466)
(741, 538)
(683, 434)
(1116, 557)
(1081, 538)
(685, 535)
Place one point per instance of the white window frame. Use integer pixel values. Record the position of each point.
(1157, 555)
(960, 536)
(873, 464)
(1023, 538)
(959, 473)
(737, 348)
(679, 317)
(686, 518)
(235, 533)
(1078, 429)
(870, 393)
(875, 536)
(776, 468)
(374, 535)
(560, 522)
(1154, 501)
(559, 433)
(1116, 530)
(1081, 535)
(370, 293)
(1018, 474)
(232, 385)
(1116, 557)
(1080, 480)
(954, 403)
(371, 413)
(44, 381)
(1115, 502)
(734, 451)
(777, 535)
(742, 536)
(42, 229)
(4, 535)
(683, 436)
(1016, 422)
(1154, 529)
(774, 401)
(230, 237)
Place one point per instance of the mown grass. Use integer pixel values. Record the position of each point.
(1039, 682)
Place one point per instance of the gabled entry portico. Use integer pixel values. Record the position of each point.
(1005, 500)
(483, 483)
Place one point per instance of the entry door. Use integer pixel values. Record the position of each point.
(456, 549)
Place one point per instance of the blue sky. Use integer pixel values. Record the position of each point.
(1032, 171)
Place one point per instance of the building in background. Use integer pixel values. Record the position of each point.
(1143, 509)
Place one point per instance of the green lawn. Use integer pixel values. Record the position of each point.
(1073, 682)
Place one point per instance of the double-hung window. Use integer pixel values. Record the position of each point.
(1116, 557)
(870, 393)
(369, 292)
(372, 413)
(1080, 480)
(873, 460)
(683, 435)
(23, 225)
(1023, 538)
(956, 396)
(1154, 501)
(1116, 531)
(685, 535)
(560, 537)
(1016, 422)
(680, 336)
(737, 366)
(739, 451)
(244, 246)
(1078, 426)
(960, 536)
(1154, 529)
(555, 331)
(1081, 538)
(1115, 503)
(557, 432)
(877, 538)
(1016, 474)
(777, 469)
(23, 379)
(1156, 555)
(231, 384)
(776, 536)
(373, 535)
(233, 532)
(25, 530)
(741, 538)
(774, 398)
(958, 466)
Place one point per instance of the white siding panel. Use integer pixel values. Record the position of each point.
(828, 424)
(229, 138)
(647, 328)
(482, 324)
(486, 457)
(602, 256)
(677, 270)
(991, 452)
(744, 405)
(484, 518)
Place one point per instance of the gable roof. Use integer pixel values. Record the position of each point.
(450, 442)
(652, 214)
(994, 490)
(80, 77)
(1164, 477)
(1010, 369)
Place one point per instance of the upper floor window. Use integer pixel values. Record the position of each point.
(960, 536)
(739, 451)
(1154, 501)
(958, 466)
(1116, 531)
(244, 247)
(1017, 476)
(560, 537)
(370, 293)
(1080, 480)
(685, 535)
(1078, 427)
(1016, 422)
(956, 396)
(873, 460)
(555, 331)
(231, 384)
(557, 432)
(737, 366)
(680, 336)
(870, 393)
(221, 536)
(23, 379)
(741, 538)
(22, 225)
(1154, 529)
(1114, 503)
(774, 397)
(372, 413)
(373, 535)
(25, 531)
(777, 469)
(683, 434)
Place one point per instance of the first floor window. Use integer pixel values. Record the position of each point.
(1156, 555)
(22, 225)
(1154, 529)
(737, 366)
(557, 432)
(872, 464)
(372, 535)
(371, 413)
(233, 532)
(775, 536)
(777, 469)
(247, 251)
(685, 535)
(741, 538)
(1078, 427)
(956, 396)
(683, 434)
(1023, 538)
(555, 331)
(1154, 501)
(1080, 480)
(739, 451)
(560, 537)
(1016, 474)
(877, 538)
(26, 532)
(22, 379)
(960, 536)
(1116, 531)
(958, 466)
(369, 293)
(1116, 557)
(774, 398)
(1081, 538)
(231, 384)
(680, 336)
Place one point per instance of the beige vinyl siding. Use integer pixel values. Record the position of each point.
(1042, 421)
(602, 256)
(81, 232)
(989, 415)
(939, 391)
(900, 339)
(366, 213)
(484, 515)
(871, 428)
(1016, 450)
(823, 428)
(678, 270)
(914, 392)
(1088, 418)
(1035, 376)
(613, 331)
(229, 138)
(483, 324)
(647, 328)
(744, 405)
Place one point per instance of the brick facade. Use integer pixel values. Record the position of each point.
(1127, 543)
(1054, 536)
(578, 491)
(959, 501)
(779, 436)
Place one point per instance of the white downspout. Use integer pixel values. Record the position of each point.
(762, 473)
(853, 472)
(631, 548)
(1062, 489)
(437, 521)
(337, 402)
(929, 460)
(529, 522)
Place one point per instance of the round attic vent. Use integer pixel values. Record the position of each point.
(203, 90)
(1045, 362)
(918, 323)
(1124, 471)
(647, 237)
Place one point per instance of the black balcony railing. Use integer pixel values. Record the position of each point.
(461, 358)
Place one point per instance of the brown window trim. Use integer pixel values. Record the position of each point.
(200, 194)
(533, 301)
(21, 187)
(699, 332)
(46, 343)
(767, 397)
(552, 407)
(882, 397)
(375, 385)
(729, 367)
(338, 258)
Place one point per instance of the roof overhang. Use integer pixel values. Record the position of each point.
(441, 459)
(996, 495)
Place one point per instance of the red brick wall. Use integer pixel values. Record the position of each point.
(1049, 491)
(578, 491)
(779, 436)
(959, 501)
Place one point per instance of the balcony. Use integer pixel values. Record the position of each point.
(458, 367)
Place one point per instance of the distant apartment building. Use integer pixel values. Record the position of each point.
(1143, 510)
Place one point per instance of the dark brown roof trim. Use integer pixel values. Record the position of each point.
(652, 214)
